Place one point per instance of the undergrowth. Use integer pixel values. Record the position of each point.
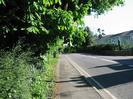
(25, 76)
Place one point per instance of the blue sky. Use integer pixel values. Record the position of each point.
(118, 20)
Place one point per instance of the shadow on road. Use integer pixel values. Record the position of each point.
(125, 61)
(106, 80)
(122, 74)
(82, 82)
(113, 79)
(123, 64)
(115, 67)
(77, 81)
(116, 78)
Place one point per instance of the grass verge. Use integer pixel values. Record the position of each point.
(50, 75)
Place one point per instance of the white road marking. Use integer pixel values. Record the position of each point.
(101, 91)
(130, 65)
(115, 62)
(91, 56)
(109, 60)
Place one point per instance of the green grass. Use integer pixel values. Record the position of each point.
(49, 76)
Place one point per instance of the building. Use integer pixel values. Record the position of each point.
(124, 38)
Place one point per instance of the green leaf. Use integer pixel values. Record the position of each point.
(35, 4)
(60, 3)
(31, 17)
(33, 29)
(2, 2)
(38, 16)
(44, 30)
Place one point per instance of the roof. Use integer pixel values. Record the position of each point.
(119, 34)
(124, 33)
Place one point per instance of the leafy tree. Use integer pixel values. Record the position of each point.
(100, 33)
(90, 39)
(32, 16)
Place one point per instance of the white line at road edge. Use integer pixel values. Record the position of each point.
(84, 73)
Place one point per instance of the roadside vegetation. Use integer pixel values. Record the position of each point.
(108, 49)
(32, 35)
(24, 75)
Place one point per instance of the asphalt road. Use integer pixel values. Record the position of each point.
(113, 73)
(71, 84)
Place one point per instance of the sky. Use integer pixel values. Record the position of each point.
(118, 20)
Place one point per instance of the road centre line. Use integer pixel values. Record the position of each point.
(102, 92)
(130, 65)
(92, 56)
(109, 60)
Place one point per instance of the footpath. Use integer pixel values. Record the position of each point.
(71, 85)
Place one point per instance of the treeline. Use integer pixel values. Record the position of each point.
(32, 33)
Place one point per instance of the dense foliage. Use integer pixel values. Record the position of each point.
(52, 18)
(25, 76)
(42, 26)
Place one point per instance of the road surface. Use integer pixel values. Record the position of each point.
(109, 75)
(71, 84)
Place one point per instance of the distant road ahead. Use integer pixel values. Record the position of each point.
(113, 73)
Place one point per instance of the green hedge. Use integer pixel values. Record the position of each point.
(103, 47)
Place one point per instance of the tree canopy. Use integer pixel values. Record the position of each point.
(52, 18)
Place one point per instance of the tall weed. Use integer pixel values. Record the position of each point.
(26, 76)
